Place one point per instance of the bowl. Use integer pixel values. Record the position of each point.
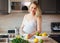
(41, 37)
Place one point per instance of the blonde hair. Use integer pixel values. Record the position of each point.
(38, 12)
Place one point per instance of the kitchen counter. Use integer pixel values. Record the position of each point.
(54, 35)
(49, 40)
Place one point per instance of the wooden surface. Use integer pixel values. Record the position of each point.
(49, 40)
(46, 40)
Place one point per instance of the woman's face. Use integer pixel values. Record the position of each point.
(33, 8)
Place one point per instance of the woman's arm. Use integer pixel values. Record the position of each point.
(39, 21)
(39, 24)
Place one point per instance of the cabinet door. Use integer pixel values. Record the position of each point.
(58, 6)
(3, 6)
(48, 6)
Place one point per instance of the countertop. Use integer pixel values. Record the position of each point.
(49, 40)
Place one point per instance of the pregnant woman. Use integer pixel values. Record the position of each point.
(32, 21)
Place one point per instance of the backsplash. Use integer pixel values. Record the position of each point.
(47, 20)
(15, 19)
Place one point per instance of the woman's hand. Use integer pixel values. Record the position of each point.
(29, 36)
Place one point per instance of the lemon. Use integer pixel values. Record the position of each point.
(18, 36)
(41, 41)
(26, 36)
(40, 34)
(36, 40)
(44, 34)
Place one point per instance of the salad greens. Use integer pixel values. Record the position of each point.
(19, 40)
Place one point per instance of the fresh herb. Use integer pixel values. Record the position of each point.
(19, 40)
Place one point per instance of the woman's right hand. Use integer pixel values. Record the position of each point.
(29, 36)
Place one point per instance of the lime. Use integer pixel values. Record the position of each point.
(41, 41)
(37, 33)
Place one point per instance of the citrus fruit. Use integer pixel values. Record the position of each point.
(37, 33)
(26, 36)
(44, 34)
(36, 40)
(41, 41)
(40, 34)
(18, 36)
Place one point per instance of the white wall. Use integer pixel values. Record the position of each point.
(47, 19)
(15, 19)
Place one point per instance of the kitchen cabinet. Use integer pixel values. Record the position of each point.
(50, 6)
(3, 6)
(58, 6)
(16, 5)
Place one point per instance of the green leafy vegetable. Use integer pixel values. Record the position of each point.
(19, 40)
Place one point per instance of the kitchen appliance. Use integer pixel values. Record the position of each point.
(11, 33)
(3, 38)
(55, 26)
(55, 29)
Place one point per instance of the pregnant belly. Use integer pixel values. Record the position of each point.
(29, 29)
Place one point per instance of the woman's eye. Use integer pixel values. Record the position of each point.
(31, 7)
(34, 8)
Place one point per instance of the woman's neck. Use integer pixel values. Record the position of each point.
(32, 14)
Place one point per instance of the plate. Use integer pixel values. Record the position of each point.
(41, 37)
